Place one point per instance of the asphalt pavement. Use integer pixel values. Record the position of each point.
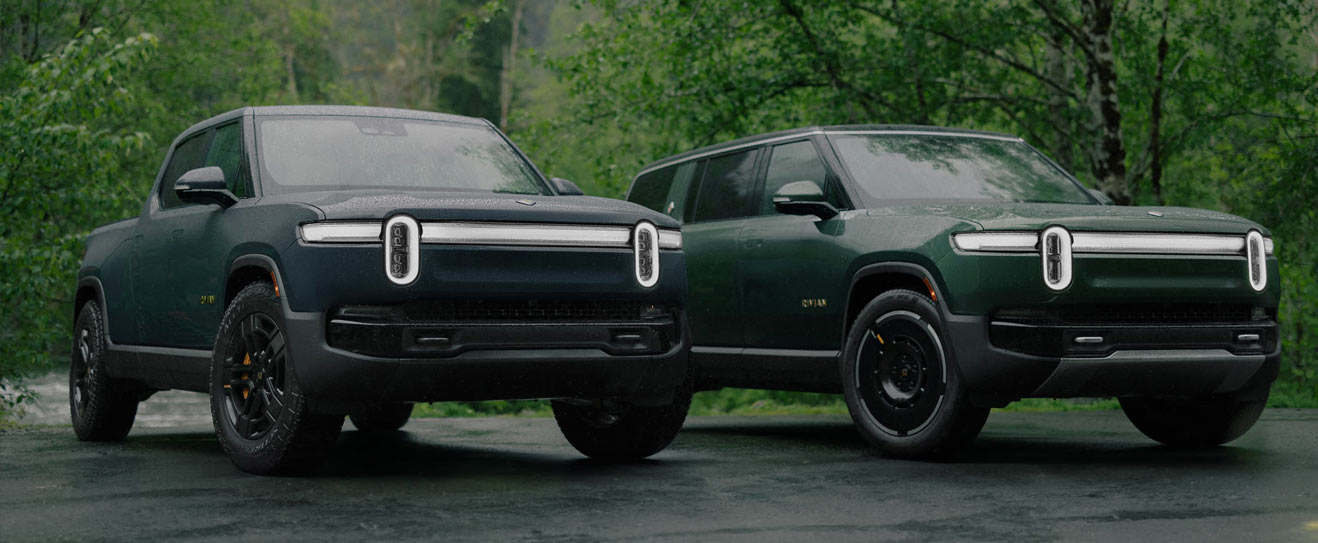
(1081, 476)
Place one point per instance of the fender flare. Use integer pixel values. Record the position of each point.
(908, 268)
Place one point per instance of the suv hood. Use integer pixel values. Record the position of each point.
(458, 206)
(1030, 216)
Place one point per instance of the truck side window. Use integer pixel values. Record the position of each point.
(727, 188)
(792, 162)
(190, 154)
(226, 152)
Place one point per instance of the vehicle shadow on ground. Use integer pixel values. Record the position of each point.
(1025, 447)
(358, 454)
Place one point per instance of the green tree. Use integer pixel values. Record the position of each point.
(60, 176)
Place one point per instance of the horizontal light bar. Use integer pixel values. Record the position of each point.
(1111, 243)
(997, 242)
(1176, 244)
(547, 235)
(342, 232)
(460, 233)
(672, 239)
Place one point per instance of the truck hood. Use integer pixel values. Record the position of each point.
(1032, 216)
(459, 206)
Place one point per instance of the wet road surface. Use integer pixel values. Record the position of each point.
(1085, 476)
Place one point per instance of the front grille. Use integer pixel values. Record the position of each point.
(1135, 314)
(451, 327)
(520, 311)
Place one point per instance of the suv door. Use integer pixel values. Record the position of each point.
(791, 276)
(179, 264)
(724, 197)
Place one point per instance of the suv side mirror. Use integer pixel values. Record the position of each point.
(204, 186)
(565, 187)
(803, 198)
(1101, 196)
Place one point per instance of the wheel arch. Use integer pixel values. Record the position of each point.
(874, 279)
(248, 269)
(90, 289)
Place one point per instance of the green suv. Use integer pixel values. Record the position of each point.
(931, 274)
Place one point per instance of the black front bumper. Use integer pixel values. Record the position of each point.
(376, 354)
(1004, 359)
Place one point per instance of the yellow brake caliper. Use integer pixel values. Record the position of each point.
(247, 361)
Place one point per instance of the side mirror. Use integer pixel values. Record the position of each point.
(565, 187)
(204, 186)
(1101, 196)
(803, 198)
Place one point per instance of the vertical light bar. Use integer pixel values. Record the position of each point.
(645, 247)
(1258, 265)
(1055, 248)
(402, 244)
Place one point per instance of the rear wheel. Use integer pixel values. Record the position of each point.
(102, 408)
(616, 431)
(901, 387)
(1193, 422)
(260, 415)
(381, 417)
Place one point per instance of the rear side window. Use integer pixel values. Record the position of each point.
(188, 155)
(226, 152)
(727, 188)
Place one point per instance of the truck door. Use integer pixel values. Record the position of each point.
(179, 260)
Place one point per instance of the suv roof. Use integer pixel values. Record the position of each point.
(781, 134)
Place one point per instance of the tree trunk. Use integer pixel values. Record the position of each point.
(1109, 154)
(509, 58)
(1155, 112)
(1058, 69)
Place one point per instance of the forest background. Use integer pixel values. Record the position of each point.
(1201, 103)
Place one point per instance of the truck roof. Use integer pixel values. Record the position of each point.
(329, 110)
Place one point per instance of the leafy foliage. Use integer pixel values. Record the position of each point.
(61, 163)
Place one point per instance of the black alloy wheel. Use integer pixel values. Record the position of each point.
(901, 383)
(255, 369)
(901, 372)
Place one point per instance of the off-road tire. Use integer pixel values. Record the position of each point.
(102, 408)
(1193, 422)
(296, 440)
(904, 392)
(381, 417)
(621, 432)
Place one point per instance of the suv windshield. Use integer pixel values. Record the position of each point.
(302, 153)
(936, 167)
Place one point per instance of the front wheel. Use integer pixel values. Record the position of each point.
(260, 415)
(1193, 422)
(902, 389)
(615, 431)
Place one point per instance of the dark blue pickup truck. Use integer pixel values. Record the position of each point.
(300, 264)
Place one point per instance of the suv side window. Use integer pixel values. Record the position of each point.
(727, 188)
(190, 154)
(226, 152)
(792, 162)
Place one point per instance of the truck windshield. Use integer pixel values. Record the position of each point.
(894, 167)
(303, 153)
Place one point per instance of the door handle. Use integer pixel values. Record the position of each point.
(753, 243)
(178, 233)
